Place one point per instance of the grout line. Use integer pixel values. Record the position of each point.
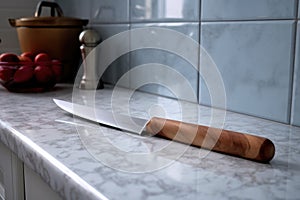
(247, 20)
(199, 53)
(198, 70)
(129, 11)
(293, 67)
(130, 21)
(187, 21)
(199, 21)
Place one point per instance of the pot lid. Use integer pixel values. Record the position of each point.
(48, 22)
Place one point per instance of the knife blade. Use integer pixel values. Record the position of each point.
(243, 145)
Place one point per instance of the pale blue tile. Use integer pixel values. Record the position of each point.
(296, 93)
(164, 10)
(20, 4)
(120, 65)
(98, 11)
(298, 10)
(255, 61)
(177, 64)
(248, 9)
(76, 8)
(110, 11)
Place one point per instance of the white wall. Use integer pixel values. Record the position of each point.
(13, 9)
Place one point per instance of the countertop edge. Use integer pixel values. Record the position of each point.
(66, 183)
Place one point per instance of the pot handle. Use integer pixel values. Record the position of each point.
(54, 6)
(12, 22)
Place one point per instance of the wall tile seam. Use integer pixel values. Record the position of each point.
(199, 52)
(293, 56)
(162, 22)
(293, 69)
(159, 22)
(129, 3)
(293, 72)
(190, 21)
(139, 22)
(293, 66)
(142, 21)
(95, 23)
(249, 20)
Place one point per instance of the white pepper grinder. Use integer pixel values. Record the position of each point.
(89, 39)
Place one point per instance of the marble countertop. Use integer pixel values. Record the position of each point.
(82, 160)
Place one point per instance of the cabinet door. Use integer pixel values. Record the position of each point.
(2, 190)
(11, 175)
(36, 188)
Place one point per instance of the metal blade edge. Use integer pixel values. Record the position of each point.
(127, 123)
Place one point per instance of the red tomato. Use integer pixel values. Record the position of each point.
(42, 57)
(43, 73)
(24, 59)
(57, 62)
(23, 74)
(9, 57)
(30, 55)
(6, 73)
(57, 71)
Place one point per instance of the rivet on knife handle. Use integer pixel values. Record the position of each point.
(243, 145)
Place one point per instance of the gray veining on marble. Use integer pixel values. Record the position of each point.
(255, 61)
(49, 141)
(247, 10)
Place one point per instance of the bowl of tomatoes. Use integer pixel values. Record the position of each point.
(29, 72)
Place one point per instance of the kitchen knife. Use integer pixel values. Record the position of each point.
(233, 143)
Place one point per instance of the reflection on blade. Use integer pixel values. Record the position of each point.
(123, 122)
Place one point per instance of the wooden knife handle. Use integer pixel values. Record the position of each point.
(243, 145)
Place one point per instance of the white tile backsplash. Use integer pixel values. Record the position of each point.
(164, 10)
(13, 9)
(251, 42)
(296, 92)
(121, 64)
(298, 10)
(9, 41)
(76, 8)
(255, 61)
(247, 9)
(110, 11)
(19, 4)
(178, 67)
(104, 11)
(17, 13)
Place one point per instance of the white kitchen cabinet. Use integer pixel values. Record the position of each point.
(36, 188)
(18, 181)
(11, 175)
